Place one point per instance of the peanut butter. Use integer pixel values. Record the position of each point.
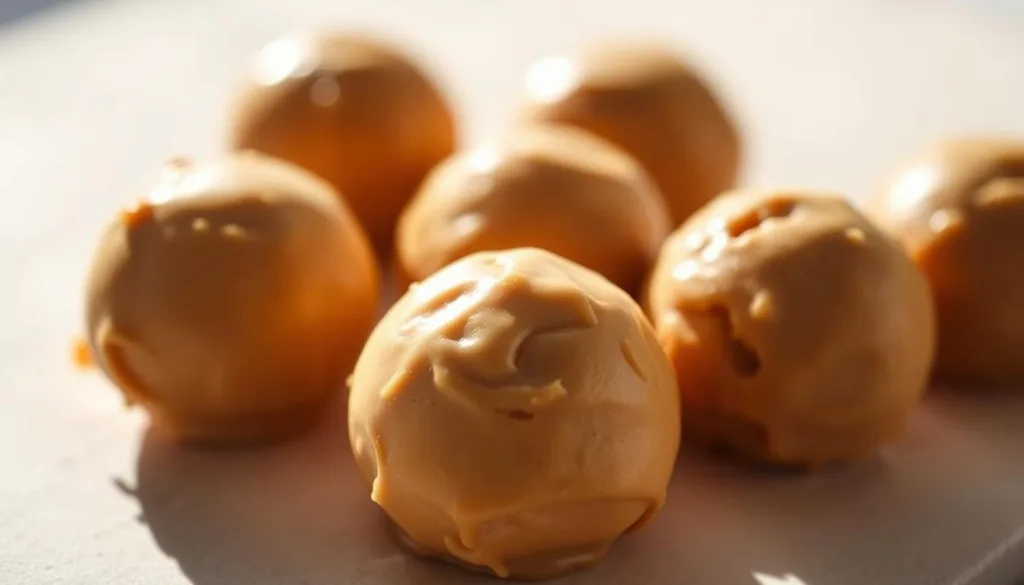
(799, 332)
(233, 302)
(558, 189)
(353, 110)
(514, 414)
(648, 101)
(959, 209)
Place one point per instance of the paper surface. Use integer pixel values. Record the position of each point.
(831, 94)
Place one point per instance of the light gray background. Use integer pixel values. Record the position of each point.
(831, 94)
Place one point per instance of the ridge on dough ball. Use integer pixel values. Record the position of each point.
(555, 188)
(799, 332)
(645, 99)
(958, 207)
(232, 303)
(515, 414)
(353, 110)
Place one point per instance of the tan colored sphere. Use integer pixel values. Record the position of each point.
(553, 188)
(353, 110)
(233, 303)
(514, 414)
(799, 332)
(649, 102)
(959, 209)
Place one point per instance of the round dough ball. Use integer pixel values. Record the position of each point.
(352, 110)
(799, 332)
(515, 414)
(648, 101)
(234, 302)
(558, 189)
(959, 209)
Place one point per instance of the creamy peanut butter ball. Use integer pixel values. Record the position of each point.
(514, 414)
(233, 302)
(352, 109)
(959, 209)
(647, 100)
(799, 332)
(558, 189)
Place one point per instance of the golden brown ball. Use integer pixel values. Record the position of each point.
(514, 414)
(959, 209)
(648, 101)
(559, 189)
(800, 333)
(233, 302)
(353, 110)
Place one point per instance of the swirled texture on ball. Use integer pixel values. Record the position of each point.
(800, 333)
(648, 101)
(959, 209)
(352, 110)
(514, 413)
(233, 303)
(558, 189)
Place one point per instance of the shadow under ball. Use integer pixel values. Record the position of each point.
(353, 110)
(234, 302)
(801, 334)
(959, 209)
(649, 102)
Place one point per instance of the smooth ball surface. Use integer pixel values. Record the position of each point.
(558, 189)
(232, 303)
(959, 209)
(800, 333)
(515, 414)
(353, 110)
(649, 102)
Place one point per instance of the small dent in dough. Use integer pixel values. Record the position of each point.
(742, 355)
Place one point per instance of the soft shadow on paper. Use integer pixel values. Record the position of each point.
(300, 513)
(293, 513)
(995, 413)
(12, 10)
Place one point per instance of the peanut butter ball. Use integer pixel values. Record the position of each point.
(558, 189)
(232, 303)
(353, 110)
(514, 414)
(799, 332)
(959, 209)
(648, 101)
